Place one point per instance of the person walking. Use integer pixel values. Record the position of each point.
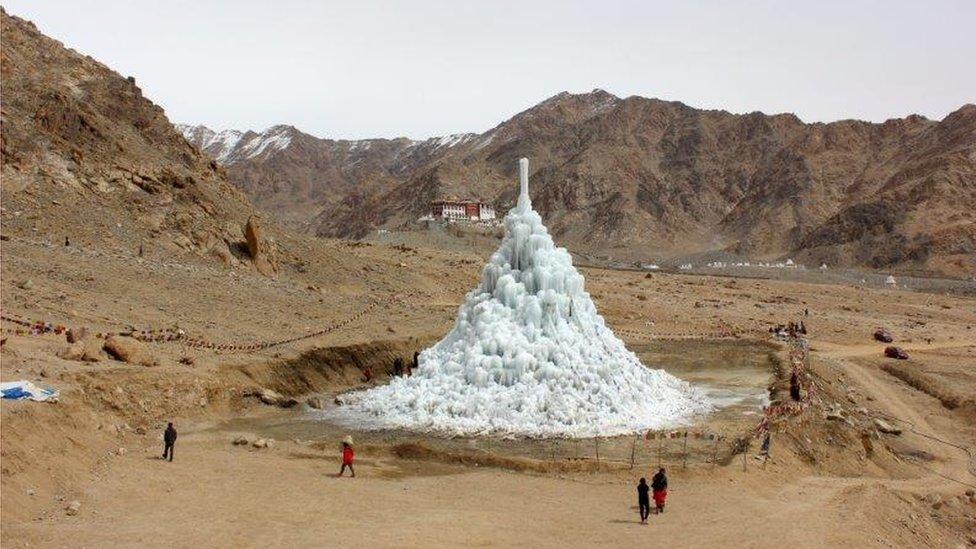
(416, 362)
(659, 484)
(348, 455)
(643, 499)
(398, 367)
(795, 386)
(169, 440)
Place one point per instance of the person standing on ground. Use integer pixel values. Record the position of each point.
(643, 499)
(764, 449)
(795, 386)
(398, 367)
(416, 362)
(660, 486)
(347, 457)
(169, 440)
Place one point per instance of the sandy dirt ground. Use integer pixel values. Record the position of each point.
(829, 483)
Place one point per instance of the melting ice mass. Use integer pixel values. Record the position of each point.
(528, 356)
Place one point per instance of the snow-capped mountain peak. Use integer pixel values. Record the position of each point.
(227, 146)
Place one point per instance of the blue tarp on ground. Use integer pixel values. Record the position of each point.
(20, 390)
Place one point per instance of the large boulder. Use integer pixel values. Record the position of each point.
(82, 346)
(221, 251)
(86, 350)
(886, 427)
(72, 508)
(895, 352)
(883, 335)
(273, 398)
(269, 397)
(260, 248)
(74, 335)
(129, 350)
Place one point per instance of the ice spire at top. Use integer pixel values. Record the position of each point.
(524, 203)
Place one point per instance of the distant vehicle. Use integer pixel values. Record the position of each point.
(895, 352)
(883, 335)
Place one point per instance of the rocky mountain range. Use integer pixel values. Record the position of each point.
(644, 178)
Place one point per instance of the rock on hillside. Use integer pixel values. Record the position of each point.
(636, 177)
(87, 157)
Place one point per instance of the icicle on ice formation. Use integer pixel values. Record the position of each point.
(529, 355)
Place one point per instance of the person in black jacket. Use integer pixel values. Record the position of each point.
(643, 499)
(169, 440)
(795, 386)
(660, 486)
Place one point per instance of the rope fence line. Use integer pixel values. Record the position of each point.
(799, 357)
(166, 335)
(723, 331)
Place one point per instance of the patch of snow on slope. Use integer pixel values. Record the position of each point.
(484, 141)
(223, 144)
(452, 140)
(605, 105)
(276, 138)
(218, 145)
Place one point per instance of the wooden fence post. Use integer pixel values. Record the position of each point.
(633, 451)
(684, 465)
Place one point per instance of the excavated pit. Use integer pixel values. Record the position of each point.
(736, 375)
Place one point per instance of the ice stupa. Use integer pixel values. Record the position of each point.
(528, 356)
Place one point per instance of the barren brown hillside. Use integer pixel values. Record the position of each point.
(87, 157)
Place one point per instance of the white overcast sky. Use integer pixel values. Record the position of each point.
(355, 69)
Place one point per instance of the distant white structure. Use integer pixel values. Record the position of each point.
(462, 210)
(789, 263)
(685, 266)
(823, 266)
(890, 282)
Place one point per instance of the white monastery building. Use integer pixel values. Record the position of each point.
(461, 210)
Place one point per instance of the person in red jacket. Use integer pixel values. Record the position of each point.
(659, 485)
(347, 456)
